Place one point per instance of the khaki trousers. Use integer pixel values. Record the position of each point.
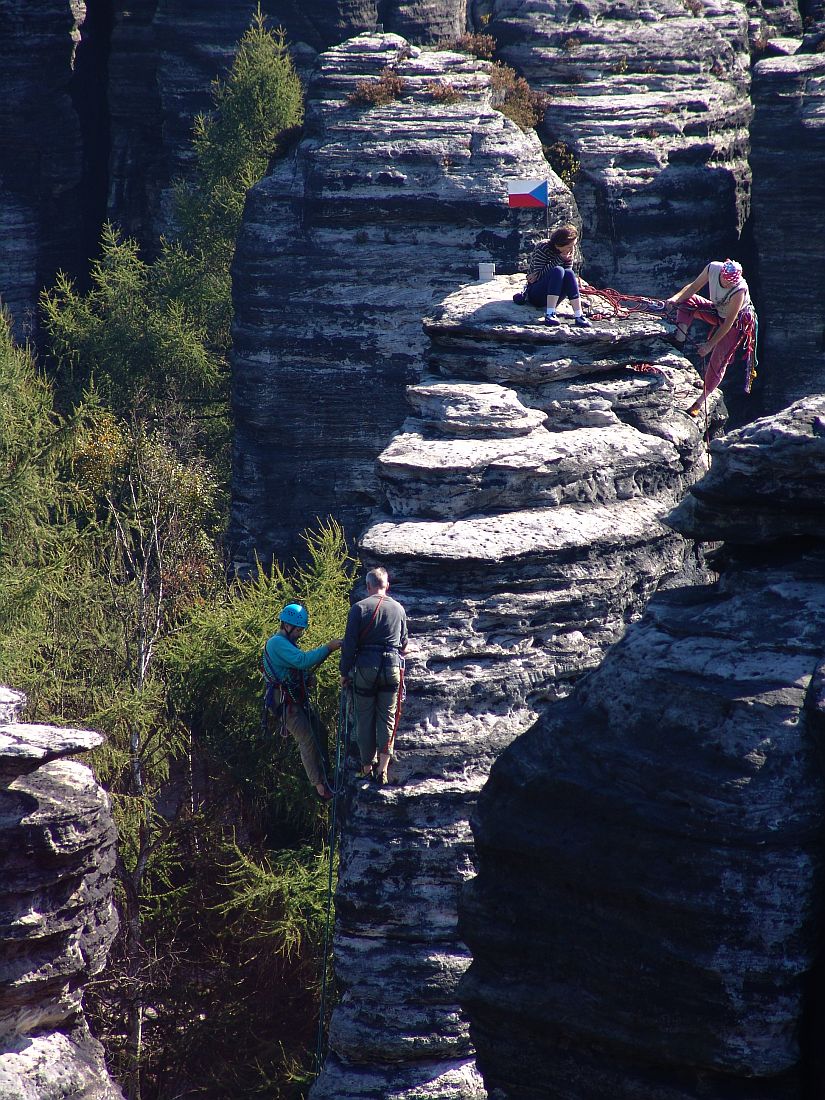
(298, 725)
(376, 698)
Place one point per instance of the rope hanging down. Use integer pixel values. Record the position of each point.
(343, 736)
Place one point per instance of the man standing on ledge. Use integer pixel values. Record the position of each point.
(374, 643)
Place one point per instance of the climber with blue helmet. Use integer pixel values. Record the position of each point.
(288, 672)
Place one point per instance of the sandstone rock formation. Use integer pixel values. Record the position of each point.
(57, 844)
(40, 139)
(647, 918)
(652, 100)
(788, 152)
(165, 56)
(344, 246)
(522, 531)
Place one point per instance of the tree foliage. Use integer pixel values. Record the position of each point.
(255, 106)
(116, 614)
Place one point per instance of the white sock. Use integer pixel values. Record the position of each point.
(550, 311)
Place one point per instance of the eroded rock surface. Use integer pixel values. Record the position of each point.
(379, 212)
(522, 530)
(648, 911)
(57, 922)
(652, 100)
(788, 140)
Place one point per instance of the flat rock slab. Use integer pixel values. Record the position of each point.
(23, 747)
(546, 533)
(486, 311)
(474, 410)
(451, 479)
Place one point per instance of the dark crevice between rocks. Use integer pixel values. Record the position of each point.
(812, 1026)
(89, 94)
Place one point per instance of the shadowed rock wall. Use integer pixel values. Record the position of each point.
(522, 531)
(647, 917)
(788, 155)
(344, 246)
(57, 922)
(41, 164)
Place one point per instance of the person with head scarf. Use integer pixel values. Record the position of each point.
(728, 311)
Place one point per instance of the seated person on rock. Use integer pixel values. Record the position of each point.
(289, 669)
(728, 311)
(550, 276)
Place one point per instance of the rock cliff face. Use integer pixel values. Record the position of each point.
(40, 139)
(344, 247)
(652, 100)
(647, 917)
(57, 843)
(522, 531)
(166, 53)
(789, 231)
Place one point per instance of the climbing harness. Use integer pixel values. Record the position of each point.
(280, 694)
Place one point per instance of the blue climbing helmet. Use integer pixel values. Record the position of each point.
(294, 615)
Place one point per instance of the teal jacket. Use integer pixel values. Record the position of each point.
(282, 657)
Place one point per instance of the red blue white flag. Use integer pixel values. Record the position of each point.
(528, 193)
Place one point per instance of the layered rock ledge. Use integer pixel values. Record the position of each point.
(647, 916)
(57, 921)
(165, 57)
(522, 530)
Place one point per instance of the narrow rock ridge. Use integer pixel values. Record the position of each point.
(652, 100)
(345, 245)
(789, 231)
(522, 531)
(646, 922)
(57, 921)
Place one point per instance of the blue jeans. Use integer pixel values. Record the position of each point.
(553, 280)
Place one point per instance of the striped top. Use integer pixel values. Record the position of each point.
(545, 255)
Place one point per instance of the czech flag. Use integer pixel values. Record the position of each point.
(528, 193)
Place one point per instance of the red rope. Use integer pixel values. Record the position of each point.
(623, 304)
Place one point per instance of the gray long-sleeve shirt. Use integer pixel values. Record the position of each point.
(368, 638)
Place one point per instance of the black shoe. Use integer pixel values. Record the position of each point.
(519, 298)
(582, 322)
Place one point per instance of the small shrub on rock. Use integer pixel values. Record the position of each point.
(514, 97)
(442, 91)
(482, 46)
(378, 93)
(563, 161)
